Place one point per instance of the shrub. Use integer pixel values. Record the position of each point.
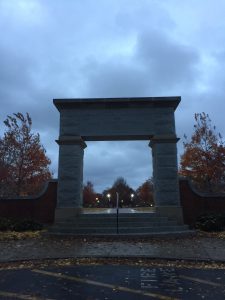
(27, 225)
(19, 225)
(210, 222)
(5, 224)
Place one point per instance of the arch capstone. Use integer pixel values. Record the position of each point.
(110, 119)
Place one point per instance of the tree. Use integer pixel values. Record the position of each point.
(145, 194)
(89, 195)
(121, 187)
(203, 160)
(23, 161)
(3, 179)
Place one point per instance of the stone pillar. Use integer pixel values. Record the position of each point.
(165, 176)
(70, 176)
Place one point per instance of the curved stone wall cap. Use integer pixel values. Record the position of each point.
(199, 193)
(171, 101)
(33, 197)
(71, 140)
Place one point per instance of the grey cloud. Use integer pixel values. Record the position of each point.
(142, 16)
(169, 64)
(115, 79)
(15, 74)
(159, 65)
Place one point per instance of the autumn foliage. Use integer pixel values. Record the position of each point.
(24, 166)
(203, 160)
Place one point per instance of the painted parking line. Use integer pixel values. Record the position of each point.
(20, 296)
(102, 284)
(202, 281)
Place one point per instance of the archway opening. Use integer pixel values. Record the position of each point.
(118, 172)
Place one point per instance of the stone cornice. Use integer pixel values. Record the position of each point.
(163, 139)
(71, 140)
(117, 102)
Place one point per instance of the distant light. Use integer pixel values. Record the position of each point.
(96, 199)
(122, 200)
(151, 205)
(132, 195)
(108, 195)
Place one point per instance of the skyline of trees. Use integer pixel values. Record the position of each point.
(128, 197)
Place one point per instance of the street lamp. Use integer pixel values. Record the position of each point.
(117, 202)
(117, 212)
(131, 198)
(108, 196)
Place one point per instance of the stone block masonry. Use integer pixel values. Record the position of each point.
(99, 119)
(70, 173)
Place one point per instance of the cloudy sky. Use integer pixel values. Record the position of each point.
(111, 48)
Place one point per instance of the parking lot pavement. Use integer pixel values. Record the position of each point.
(119, 281)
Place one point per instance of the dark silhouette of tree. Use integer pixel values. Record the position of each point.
(90, 198)
(23, 161)
(4, 187)
(203, 160)
(121, 187)
(144, 194)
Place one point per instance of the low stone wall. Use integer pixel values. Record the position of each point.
(40, 208)
(195, 203)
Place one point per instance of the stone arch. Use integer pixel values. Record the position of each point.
(101, 119)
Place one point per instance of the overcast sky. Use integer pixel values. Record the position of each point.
(111, 48)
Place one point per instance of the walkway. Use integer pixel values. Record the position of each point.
(189, 248)
(121, 210)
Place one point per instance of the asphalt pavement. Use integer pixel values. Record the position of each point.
(104, 282)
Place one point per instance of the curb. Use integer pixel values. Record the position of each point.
(116, 257)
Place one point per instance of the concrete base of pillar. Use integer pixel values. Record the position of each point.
(174, 212)
(67, 213)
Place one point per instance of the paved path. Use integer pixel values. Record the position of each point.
(202, 248)
(121, 210)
